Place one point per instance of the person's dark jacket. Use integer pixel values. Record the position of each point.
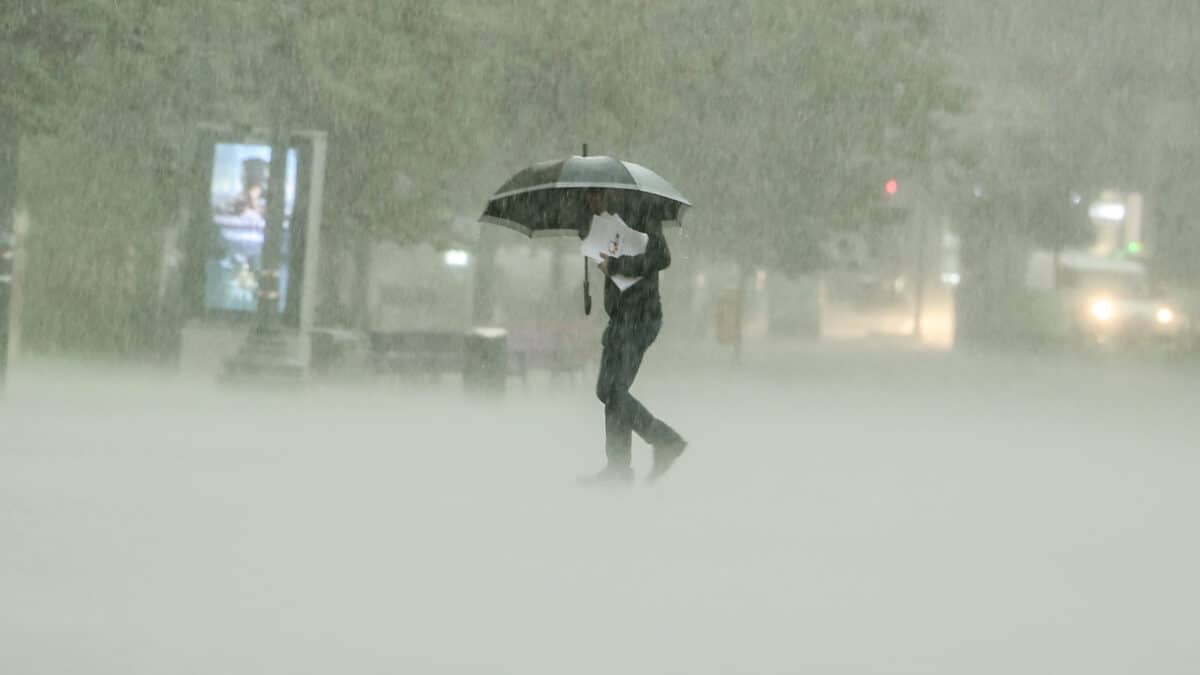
(640, 302)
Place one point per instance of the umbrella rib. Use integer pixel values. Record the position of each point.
(590, 184)
(510, 224)
(525, 229)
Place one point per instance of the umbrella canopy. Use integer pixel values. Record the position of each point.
(545, 198)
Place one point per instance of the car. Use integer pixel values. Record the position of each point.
(1110, 303)
(1088, 301)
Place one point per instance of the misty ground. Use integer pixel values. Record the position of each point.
(839, 511)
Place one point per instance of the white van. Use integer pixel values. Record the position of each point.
(1094, 300)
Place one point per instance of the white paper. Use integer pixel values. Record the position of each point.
(611, 236)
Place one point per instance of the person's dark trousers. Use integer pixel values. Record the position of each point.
(625, 343)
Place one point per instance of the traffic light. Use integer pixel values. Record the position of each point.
(891, 187)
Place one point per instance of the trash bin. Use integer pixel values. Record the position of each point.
(324, 352)
(336, 352)
(485, 363)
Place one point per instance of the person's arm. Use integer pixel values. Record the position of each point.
(656, 258)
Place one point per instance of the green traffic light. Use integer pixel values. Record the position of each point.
(1134, 247)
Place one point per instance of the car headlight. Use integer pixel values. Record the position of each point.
(1102, 309)
(1164, 315)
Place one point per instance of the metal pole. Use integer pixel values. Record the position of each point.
(269, 276)
(312, 245)
(587, 281)
(269, 291)
(267, 350)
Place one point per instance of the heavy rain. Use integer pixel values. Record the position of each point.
(532, 336)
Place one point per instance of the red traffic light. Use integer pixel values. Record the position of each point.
(891, 187)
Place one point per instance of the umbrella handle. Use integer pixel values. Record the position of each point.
(587, 289)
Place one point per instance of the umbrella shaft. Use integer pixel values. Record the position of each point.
(587, 289)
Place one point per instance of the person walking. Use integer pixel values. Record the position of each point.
(635, 319)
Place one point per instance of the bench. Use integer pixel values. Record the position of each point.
(557, 355)
(424, 354)
(430, 355)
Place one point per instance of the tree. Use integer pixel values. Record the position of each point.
(1065, 109)
(802, 113)
(106, 151)
(38, 42)
(782, 129)
(110, 122)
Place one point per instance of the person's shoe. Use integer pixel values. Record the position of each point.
(613, 475)
(664, 456)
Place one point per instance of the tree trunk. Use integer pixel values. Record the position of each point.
(1056, 265)
(360, 296)
(9, 153)
(919, 281)
(483, 311)
(743, 289)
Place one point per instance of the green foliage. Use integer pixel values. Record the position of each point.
(780, 120)
(803, 112)
(39, 40)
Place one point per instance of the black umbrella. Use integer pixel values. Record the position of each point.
(548, 198)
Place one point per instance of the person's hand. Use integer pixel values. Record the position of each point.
(604, 263)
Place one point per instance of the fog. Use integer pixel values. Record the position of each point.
(858, 512)
(292, 382)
